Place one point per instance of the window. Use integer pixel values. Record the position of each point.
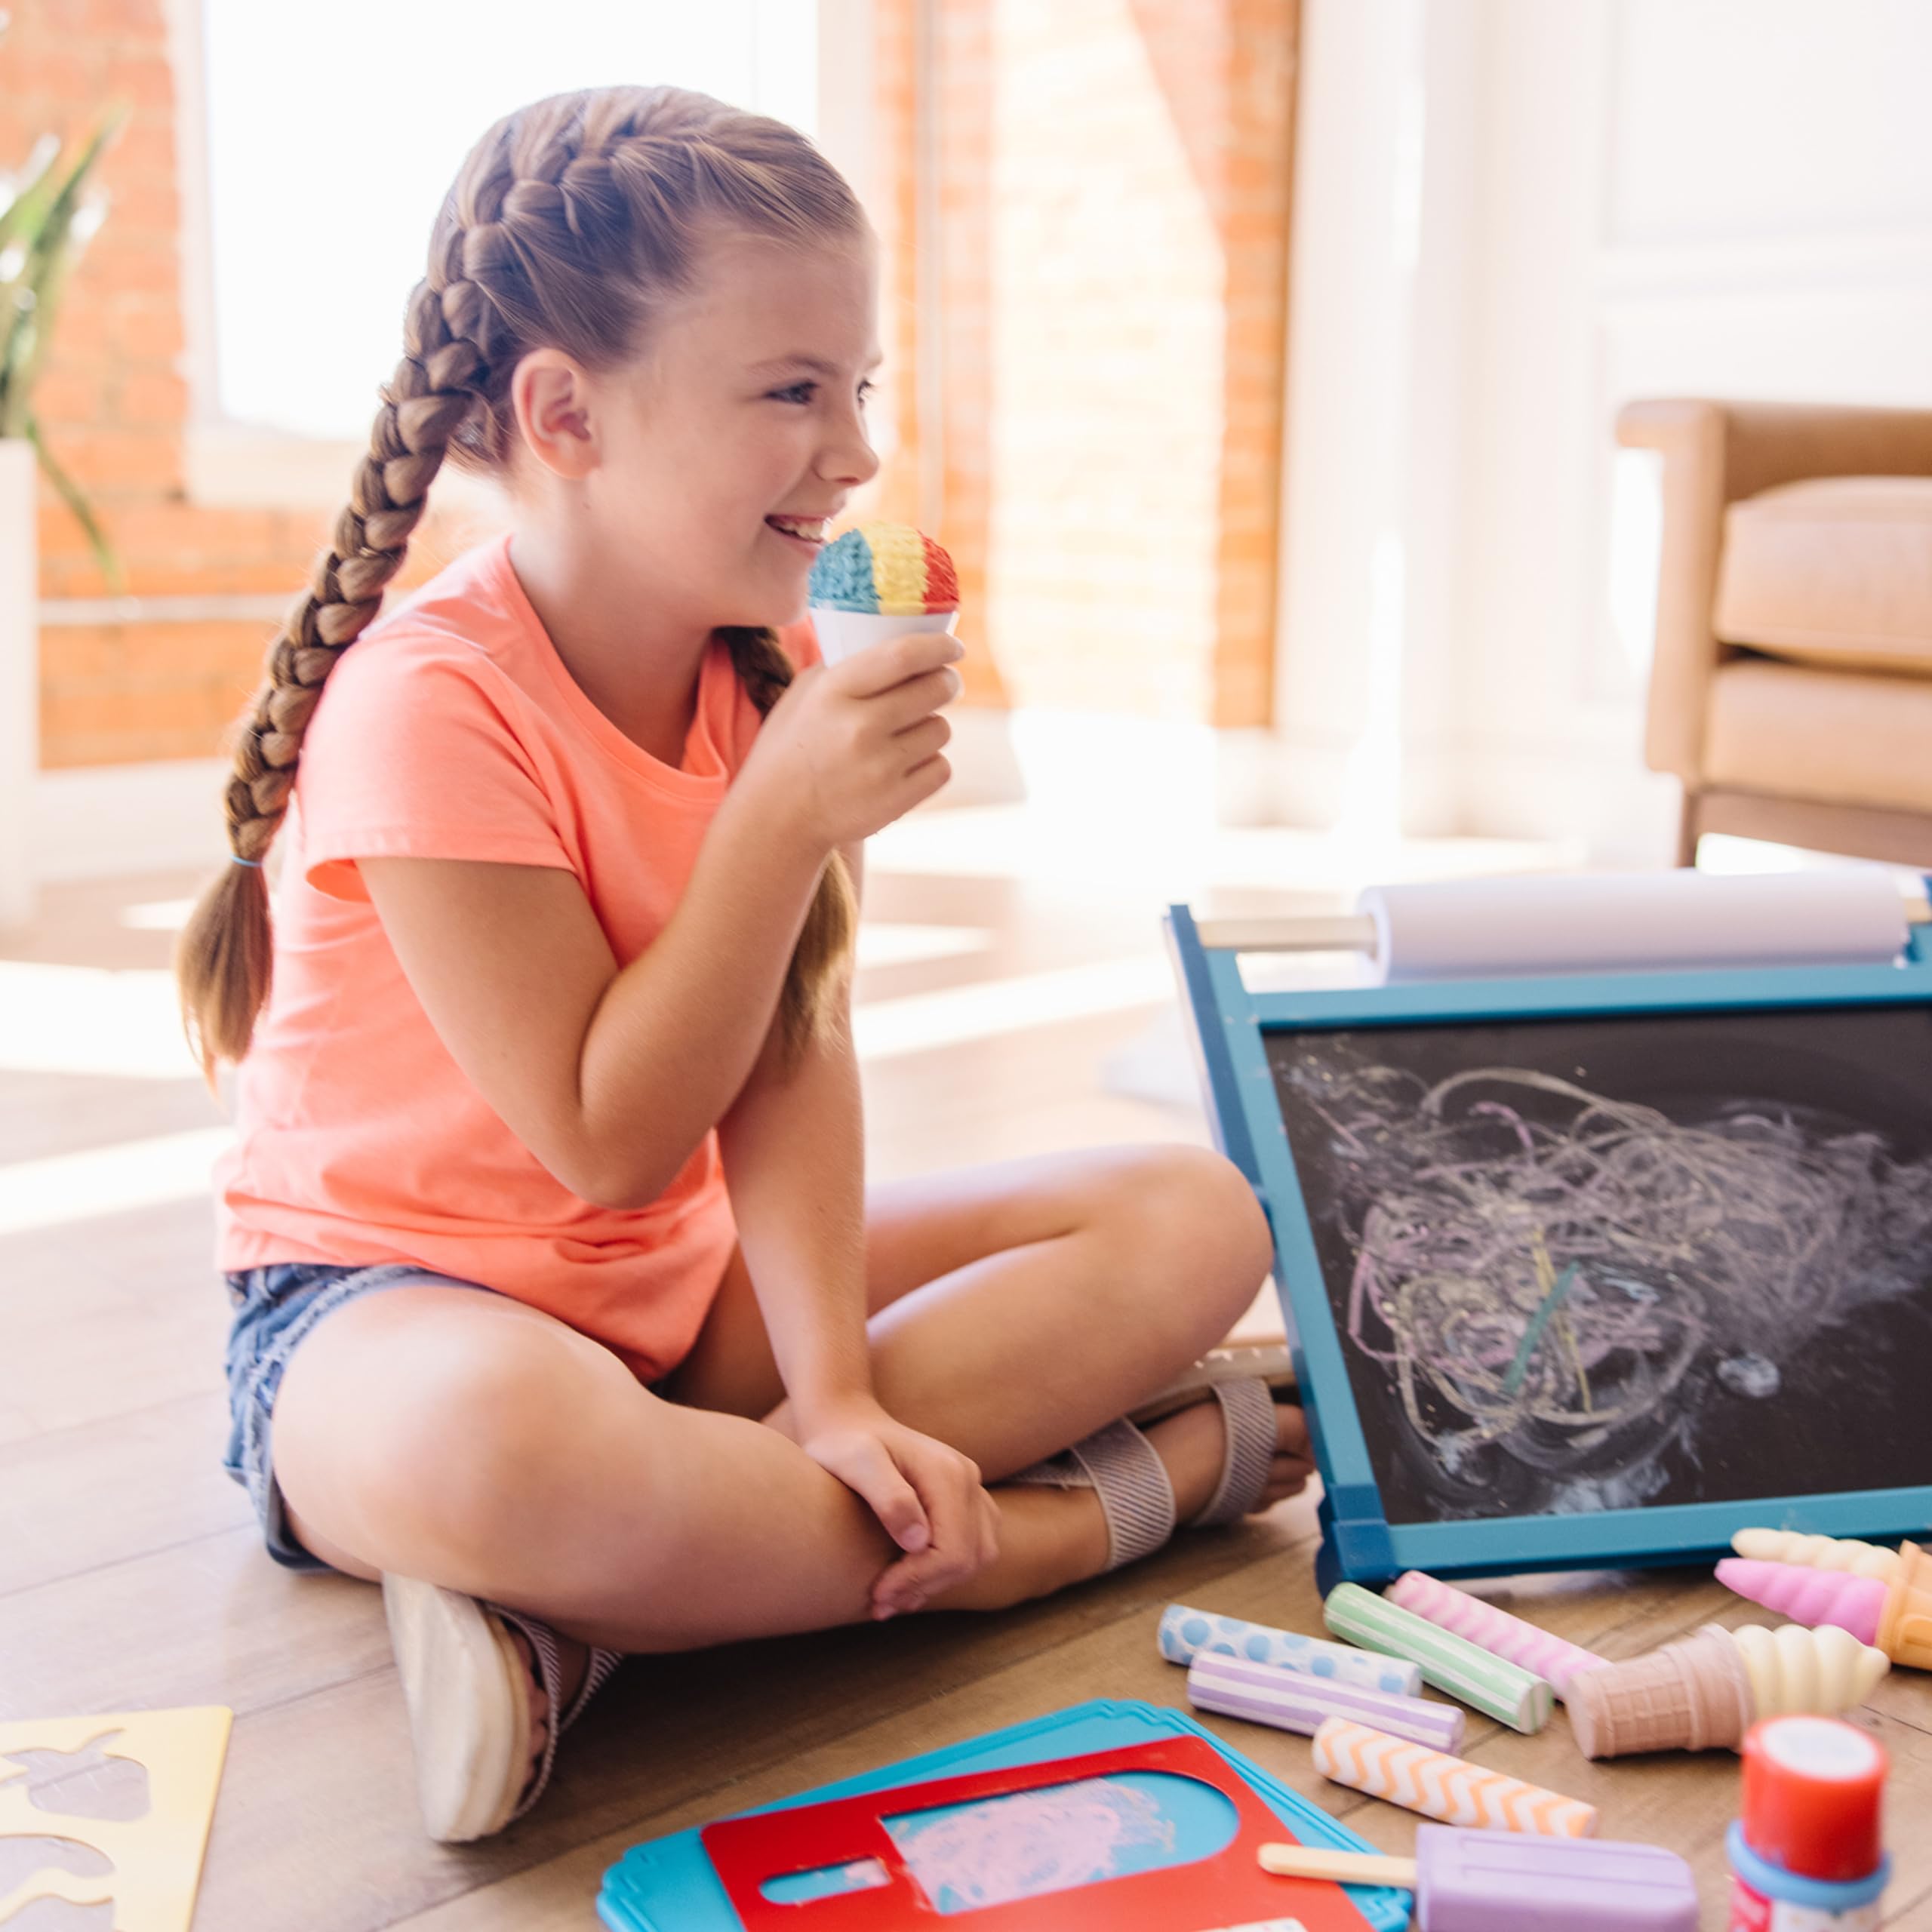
(334, 131)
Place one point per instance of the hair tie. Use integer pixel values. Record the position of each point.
(236, 859)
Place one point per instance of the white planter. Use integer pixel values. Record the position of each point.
(20, 677)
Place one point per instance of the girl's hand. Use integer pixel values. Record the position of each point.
(927, 1495)
(849, 747)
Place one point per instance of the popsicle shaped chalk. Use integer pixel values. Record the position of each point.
(1500, 1689)
(1494, 1630)
(1292, 1701)
(1186, 1632)
(1502, 1882)
(1440, 1786)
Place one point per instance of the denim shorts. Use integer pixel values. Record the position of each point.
(275, 1307)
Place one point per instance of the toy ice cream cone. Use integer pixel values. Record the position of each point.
(1845, 1553)
(1795, 1672)
(1897, 1616)
(1705, 1692)
(1694, 1696)
(878, 581)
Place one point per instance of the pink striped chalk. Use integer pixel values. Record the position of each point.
(1292, 1700)
(1494, 1630)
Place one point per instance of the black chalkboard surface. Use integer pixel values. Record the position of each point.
(1609, 1263)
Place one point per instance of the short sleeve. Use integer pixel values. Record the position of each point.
(412, 754)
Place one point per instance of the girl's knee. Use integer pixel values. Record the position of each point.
(1193, 1201)
(452, 1435)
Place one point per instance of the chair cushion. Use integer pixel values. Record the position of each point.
(1844, 738)
(1837, 571)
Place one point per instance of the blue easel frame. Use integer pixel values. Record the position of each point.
(1228, 1024)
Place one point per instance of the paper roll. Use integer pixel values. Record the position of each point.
(1655, 922)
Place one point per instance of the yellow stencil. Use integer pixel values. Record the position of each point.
(110, 1808)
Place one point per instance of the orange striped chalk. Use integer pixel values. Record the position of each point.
(1439, 1786)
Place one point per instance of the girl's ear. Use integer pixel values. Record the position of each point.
(551, 394)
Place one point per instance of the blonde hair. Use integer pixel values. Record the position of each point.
(569, 224)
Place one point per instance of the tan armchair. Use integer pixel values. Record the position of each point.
(1791, 688)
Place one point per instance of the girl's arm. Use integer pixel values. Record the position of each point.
(793, 1155)
(612, 1076)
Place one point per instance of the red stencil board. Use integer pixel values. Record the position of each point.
(1224, 1890)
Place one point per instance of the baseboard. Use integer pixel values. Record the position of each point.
(100, 821)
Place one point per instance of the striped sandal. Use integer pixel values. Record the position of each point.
(1125, 1472)
(464, 1684)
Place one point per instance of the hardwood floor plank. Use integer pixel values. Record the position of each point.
(680, 1735)
(76, 1498)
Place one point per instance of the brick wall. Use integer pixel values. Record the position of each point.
(113, 402)
(1111, 240)
(1111, 185)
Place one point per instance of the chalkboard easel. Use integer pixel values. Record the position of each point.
(1590, 1270)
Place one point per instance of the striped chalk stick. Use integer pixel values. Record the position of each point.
(1289, 1700)
(1507, 1692)
(1449, 1788)
(1495, 1630)
(1185, 1633)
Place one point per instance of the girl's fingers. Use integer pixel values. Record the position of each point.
(872, 1472)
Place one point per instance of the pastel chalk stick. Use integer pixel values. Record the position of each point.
(1186, 1632)
(1492, 1684)
(1291, 1700)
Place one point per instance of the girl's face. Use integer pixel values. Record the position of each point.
(725, 451)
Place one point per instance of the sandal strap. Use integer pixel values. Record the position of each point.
(1248, 1416)
(549, 1653)
(596, 1673)
(1124, 1471)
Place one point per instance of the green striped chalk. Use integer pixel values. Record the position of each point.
(1491, 1684)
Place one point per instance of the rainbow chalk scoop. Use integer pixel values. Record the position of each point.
(877, 581)
(1895, 1617)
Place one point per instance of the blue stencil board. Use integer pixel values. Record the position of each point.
(1583, 1269)
(667, 1884)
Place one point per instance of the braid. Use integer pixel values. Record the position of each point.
(224, 961)
(568, 221)
(809, 1007)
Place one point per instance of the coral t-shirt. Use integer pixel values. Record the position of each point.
(451, 729)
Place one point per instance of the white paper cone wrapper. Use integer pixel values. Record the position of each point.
(841, 633)
(1655, 922)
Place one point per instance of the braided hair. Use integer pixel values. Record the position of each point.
(570, 223)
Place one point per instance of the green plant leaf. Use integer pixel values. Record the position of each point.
(71, 495)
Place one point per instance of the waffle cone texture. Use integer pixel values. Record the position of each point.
(1703, 1694)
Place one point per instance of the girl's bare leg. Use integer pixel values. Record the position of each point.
(473, 1441)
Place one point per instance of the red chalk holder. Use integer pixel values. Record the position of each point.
(1226, 1889)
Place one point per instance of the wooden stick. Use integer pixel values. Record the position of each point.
(1345, 1868)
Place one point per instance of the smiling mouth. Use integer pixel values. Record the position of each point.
(809, 530)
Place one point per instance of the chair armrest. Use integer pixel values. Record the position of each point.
(1714, 453)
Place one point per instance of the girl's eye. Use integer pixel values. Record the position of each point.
(802, 392)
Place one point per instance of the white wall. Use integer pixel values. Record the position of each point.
(1511, 216)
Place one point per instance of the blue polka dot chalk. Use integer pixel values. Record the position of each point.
(1186, 1633)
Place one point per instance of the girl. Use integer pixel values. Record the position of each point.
(545, 1233)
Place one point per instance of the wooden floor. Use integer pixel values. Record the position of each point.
(131, 1574)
